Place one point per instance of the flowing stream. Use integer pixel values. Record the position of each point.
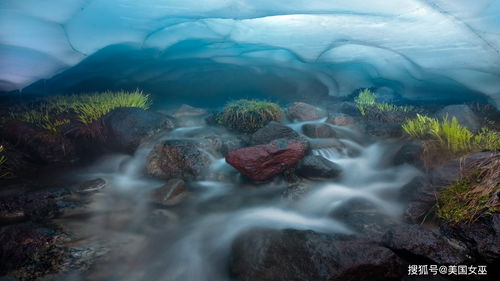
(194, 239)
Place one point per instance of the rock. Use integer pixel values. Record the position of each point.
(465, 116)
(419, 244)
(305, 112)
(341, 119)
(314, 166)
(481, 236)
(35, 206)
(214, 139)
(178, 158)
(273, 131)
(441, 177)
(364, 217)
(263, 162)
(127, 127)
(294, 255)
(318, 131)
(42, 146)
(186, 110)
(411, 190)
(31, 246)
(410, 153)
(170, 193)
(348, 108)
(383, 129)
(90, 186)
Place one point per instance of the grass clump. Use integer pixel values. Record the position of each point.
(247, 116)
(51, 113)
(473, 195)
(367, 104)
(450, 134)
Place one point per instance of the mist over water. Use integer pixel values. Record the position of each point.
(195, 243)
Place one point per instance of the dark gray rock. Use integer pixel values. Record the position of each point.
(465, 116)
(179, 158)
(364, 217)
(383, 129)
(273, 131)
(127, 127)
(318, 131)
(481, 236)
(419, 244)
(30, 247)
(314, 166)
(410, 153)
(294, 255)
(348, 108)
(90, 186)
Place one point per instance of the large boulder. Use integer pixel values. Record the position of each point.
(420, 244)
(439, 178)
(315, 166)
(263, 162)
(318, 131)
(481, 236)
(294, 255)
(126, 127)
(273, 131)
(301, 111)
(364, 217)
(465, 116)
(178, 158)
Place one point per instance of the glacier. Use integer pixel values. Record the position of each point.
(417, 49)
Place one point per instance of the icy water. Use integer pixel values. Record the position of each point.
(191, 241)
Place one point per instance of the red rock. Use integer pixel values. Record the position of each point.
(263, 162)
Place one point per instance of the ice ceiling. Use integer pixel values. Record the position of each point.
(427, 49)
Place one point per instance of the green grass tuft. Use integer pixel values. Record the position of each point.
(450, 134)
(473, 195)
(367, 104)
(51, 113)
(248, 116)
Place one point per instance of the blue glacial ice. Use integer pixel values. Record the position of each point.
(420, 49)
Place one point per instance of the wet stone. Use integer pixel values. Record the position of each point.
(90, 186)
(170, 193)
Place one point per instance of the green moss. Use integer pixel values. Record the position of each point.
(248, 116)
(463, 201)
(50, 113)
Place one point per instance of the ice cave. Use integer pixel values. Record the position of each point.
(249, 140)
